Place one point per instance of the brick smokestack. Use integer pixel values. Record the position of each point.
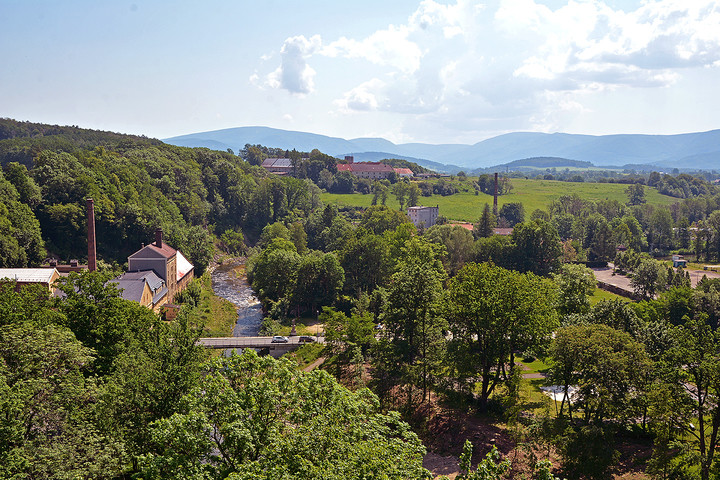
(92, 252)
(495, 197)
(158, 237)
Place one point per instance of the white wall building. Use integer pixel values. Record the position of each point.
(424, 215)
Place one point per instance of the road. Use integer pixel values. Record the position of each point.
(253, 342)
(622, 282)
(605, 275)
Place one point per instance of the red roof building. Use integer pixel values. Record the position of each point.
(373, 170)
(404, 172)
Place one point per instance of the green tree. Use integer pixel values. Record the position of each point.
(661, 229)
(413, 344)
(273, 272)
(484, 227)
(536, 247)
(47, 406)
(648, 279)
(317, 281)
(259, 418)
(636, 194)
(298, 237)
(100, 318)
(697, 357)
(512, 213)
(233, 241)
(492, 313)
(400, 190)
(379, 218)
(28, 191)
(413, 193)
(365, 258)
(344, 334)
(576, 283)
(608, 367)
(458, 243)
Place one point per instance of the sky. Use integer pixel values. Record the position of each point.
(431, 71)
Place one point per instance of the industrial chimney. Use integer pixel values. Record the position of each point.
(158, 238)
(495, 197)
(92, 253)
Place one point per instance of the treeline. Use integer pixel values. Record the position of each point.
(678, 185)
(94, 386)
(137, 185)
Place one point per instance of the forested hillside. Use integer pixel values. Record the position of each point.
(138, 185)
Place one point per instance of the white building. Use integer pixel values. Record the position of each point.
(424, 215)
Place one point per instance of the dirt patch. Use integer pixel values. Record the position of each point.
(314, 365)
(442, 465)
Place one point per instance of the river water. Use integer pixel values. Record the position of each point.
(230, 282)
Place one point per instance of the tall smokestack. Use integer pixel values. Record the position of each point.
(495, 197)
(158, 237)
(92, 253)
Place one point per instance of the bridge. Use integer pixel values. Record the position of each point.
(258, 343)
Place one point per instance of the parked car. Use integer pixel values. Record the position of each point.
(279, 339)
(305, 339)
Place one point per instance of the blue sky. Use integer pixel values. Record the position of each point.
(409, 71)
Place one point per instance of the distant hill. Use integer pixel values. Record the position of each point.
(690, 150)
(541, 162)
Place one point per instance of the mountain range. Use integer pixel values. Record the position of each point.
(686, 151)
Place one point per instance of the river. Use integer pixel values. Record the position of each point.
(230, 282)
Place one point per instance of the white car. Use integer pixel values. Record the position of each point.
(279, 339)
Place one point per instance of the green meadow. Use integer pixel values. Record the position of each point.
(533, 194)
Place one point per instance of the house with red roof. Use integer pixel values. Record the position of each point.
(372, 170)
(404, 172)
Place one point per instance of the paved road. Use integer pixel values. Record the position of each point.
(696, 275)
(621, 281)
(605, 275)
(251, 342)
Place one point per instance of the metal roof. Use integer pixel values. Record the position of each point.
(28, 275)
(183, 265)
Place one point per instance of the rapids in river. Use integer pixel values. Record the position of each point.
(230, 282)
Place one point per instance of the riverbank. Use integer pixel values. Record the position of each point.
(216, 313)
(229, 285)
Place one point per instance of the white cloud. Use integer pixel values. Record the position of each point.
(520, 64)
(361, 98)
(384, 47)
(294, 74)
(637, 48)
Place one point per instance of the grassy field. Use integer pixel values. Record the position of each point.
(533, 194)
(218, 314)
(601, 294)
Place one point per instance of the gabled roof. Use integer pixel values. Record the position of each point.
(403, 171)
(131, 289)
(149, 276)
(133, 285)
(183, 265)
(364, 167)
(28, 275)
(151, 251)
(277, 163)
(371, 167)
